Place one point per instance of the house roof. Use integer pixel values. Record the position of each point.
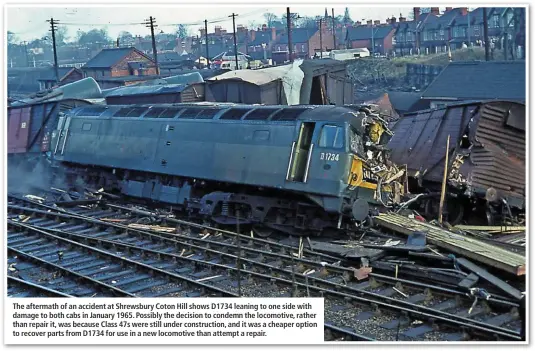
(365, 32)
(443, 21)
(480, 80)
(106, 58)
(51, 73)
(261, 38)
(299, 35)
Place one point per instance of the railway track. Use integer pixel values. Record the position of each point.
(381, 308)
(21, 288)
(137, 279)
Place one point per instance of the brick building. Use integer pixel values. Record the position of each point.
(362, 36)
(119, 62)
(306, 41)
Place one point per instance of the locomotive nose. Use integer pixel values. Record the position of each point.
(360, 209)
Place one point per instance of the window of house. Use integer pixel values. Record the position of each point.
(476, 30)
(302, 47)
(508, 19)
(332, 137)
(426, 35)
(495, 21)
(278, 48)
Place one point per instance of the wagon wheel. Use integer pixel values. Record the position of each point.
(454, 210)
(262, 231)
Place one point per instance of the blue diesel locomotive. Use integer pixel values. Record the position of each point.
(296, 169)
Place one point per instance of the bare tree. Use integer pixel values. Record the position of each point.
(11, 37)
(270, 18)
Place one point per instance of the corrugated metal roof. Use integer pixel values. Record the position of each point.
(148, 90)
(480, 80)
(188, 78)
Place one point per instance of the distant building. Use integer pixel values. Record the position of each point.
(362, 37)
(119, 62)
(66, 75)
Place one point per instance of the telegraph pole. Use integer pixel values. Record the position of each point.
(289, 25)
(26, 53)
(151, 24)
(53, 28)
(334, 31)
(486, 33)
(206, 40)
(321, 38)
(234, 35)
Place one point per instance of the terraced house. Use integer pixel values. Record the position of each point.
(433, 32)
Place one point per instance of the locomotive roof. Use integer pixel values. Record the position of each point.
(224, 111)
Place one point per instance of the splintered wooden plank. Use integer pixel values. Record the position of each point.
(461, 245)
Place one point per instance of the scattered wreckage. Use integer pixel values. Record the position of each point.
(486, 167)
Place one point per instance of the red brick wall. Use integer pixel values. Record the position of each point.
(387, 43)
(120, 69)
(359, 44)
(326, 42)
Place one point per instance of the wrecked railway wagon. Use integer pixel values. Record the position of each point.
(29, 128)
(486, 163)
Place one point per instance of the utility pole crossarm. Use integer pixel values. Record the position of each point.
(150, 23)
(53, 28)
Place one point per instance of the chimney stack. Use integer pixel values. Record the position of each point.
(416, 11)
(388, 21)
(393, 19)
(358, 23)
(377, 22)
(464, 11)
(202, 32)
(449, 9)
(217, 30)
(435, 11)
(264, 27)
(402, 19)
(369, 23)
(273, 34)
(252, 34)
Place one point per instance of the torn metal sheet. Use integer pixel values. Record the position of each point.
(487, 149)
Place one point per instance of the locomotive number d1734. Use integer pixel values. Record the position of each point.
(327, 156)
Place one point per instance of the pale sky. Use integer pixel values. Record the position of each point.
(30, 22)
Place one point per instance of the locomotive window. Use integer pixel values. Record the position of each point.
(288, 114)
(190, 113)
(234, 113)
(136, 112)
(169, 113)
(260, 114)
(154, 112)
(123, 112)
(91, 111)
(332, 137)
(208, 113)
